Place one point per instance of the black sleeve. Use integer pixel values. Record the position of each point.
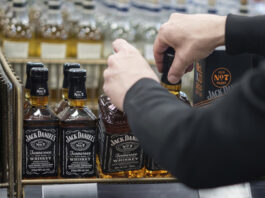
(245, 34)
(221, 144)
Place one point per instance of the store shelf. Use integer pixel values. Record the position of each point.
(97, 180)
(4, 185)
(61, 61)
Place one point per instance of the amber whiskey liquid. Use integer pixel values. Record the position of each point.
(78, 132)
(120, 153)
(18, 35)
(40, 136)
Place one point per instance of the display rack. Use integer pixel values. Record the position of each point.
(17, 183)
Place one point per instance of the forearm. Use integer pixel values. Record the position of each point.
(206, 147)
(245, 34)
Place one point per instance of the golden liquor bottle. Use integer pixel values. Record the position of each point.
(59, 107)
(120, 153)
(72, 24)
(18, 35)
(30, 65)
(78, 131)
(153, 169)
(52, 36)
(40, 136)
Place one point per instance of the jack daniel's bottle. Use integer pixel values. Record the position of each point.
(40, 138)
(30, 65)
(152, 168)
(64, 102)
(78, 131)
(120, 154)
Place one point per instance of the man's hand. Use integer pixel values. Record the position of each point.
(125, 68)
(192, 36)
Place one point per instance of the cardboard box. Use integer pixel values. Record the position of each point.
(215, 75)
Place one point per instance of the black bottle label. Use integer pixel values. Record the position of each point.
(119, 152)
(152, 165)
(78, 157)
(40, 151)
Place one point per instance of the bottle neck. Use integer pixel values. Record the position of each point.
(88, 17)
(21, 14)
(78, 103)
(174, 89)
(27, 94)
(65, 93)
(54, 16)
(39, 101)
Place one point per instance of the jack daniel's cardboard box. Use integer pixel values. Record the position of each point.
(215, 75)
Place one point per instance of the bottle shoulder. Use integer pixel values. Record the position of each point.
(40, 115)
(72, 114)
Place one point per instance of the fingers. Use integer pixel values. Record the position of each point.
(179, 67)
(160, 47)
(120, 45)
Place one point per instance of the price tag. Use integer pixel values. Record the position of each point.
(51, 50)
(14, 49)
(70, 191)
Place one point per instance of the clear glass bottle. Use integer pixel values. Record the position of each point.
(52, 35)
(63, 104)
(78, 131)
(72, 25)
(29, 66)
(149, 29)
(120, 154)
(18, 34)
(89, 35)
(40, 136)
(120, 26)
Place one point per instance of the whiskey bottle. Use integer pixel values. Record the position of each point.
(120, 153)
(52, 36)
(40, 137)
(89, 35)
(153, 169)
(72, 23)
(78, 131)
(64, 102)
(18, 34)
(244, 7)
(120, 27)
(30, 65)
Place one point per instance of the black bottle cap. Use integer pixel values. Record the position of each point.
(31, 65)
(88, 4)
(77, 88)
(54, 4)
(169, 56)
(66, 68)
(39, 82)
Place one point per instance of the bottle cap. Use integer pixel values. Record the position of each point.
(54, 4)
(77, 73)
(19, 3)
(39, 85)
(31, 65)
(169, 56)
(88, 4)
(66, 68)
(39, 73)
(77, 88)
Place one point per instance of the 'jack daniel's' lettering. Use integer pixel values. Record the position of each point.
(40, 134)
(80, 135)
(126, 138)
